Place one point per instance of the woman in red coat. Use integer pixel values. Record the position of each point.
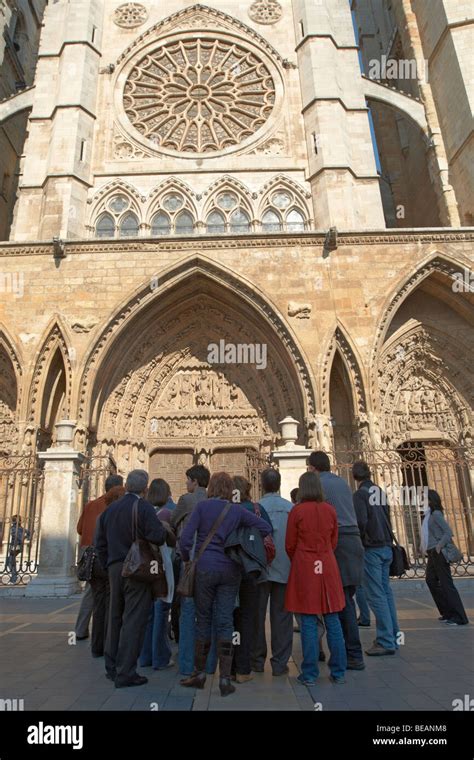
(314, 586)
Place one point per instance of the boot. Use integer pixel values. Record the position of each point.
(198, 678)
(224, 653)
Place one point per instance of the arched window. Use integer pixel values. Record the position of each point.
(160, 224)
(184, 224)
(295, 221)
(129, 225)
(215, 223)
(239, 221)
(105, 226)
(271, 221)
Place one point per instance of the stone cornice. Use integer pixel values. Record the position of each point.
(217, 242)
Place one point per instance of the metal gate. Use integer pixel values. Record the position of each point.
(406, 474)
(21, 498)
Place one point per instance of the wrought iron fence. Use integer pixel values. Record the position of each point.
(94, 472)
(405, 474)
(21, 497)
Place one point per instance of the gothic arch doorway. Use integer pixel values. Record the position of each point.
(164, 399)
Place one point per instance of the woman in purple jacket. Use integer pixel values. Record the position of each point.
(217, 576)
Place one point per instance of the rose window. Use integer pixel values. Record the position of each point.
(199, 96)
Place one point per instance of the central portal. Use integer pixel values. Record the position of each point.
(165, 401)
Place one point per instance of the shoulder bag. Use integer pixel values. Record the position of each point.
(451, 553)
(142, 562)
(188, 578)
(268, 542)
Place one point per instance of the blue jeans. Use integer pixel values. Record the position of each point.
(187, 635)
(379, 595)
(156, 648)
(216, 594)
(364, 610)
(310, 645)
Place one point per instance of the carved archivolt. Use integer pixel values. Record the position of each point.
(340, 343)
(417, 379)
(54, 340)
(181, 334)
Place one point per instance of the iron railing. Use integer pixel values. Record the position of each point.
(21, 497)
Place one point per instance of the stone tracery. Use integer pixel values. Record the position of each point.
(200, 95)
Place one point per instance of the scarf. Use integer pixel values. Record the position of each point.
(424, 530)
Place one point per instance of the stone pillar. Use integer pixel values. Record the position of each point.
(290, 457)
(57, 556)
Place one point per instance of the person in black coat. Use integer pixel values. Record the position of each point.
(130, 600)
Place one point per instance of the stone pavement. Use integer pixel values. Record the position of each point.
(434, 667)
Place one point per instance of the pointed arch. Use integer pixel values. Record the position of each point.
(426, 388)
(341, 343)
(99, 202)
(126, 323)
(169, 186)
(298, 198)
(230, 187)
(53, 359)
(435, 263)
(192, 17)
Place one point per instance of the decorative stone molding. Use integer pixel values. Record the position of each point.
(223, 278)
(53, 340)
(265, 11)
(130, 15)
(341, 343)
(271, 240)
(84, 325)
(275, 146)
(299, 310)
(416, 390)
(124, 150)
(203, 18)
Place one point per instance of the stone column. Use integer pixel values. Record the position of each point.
(57, 556)
(290, 457)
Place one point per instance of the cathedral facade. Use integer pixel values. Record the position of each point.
(230, 216)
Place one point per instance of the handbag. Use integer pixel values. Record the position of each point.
(399, 564)
(159, 586)
(188, 577)
(86, 564)
(269, 544)
(142, 557)
(451, 553)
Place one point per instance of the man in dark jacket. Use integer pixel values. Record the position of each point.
(130, 600)
(373, 517)
(349, 552)
(197, 480)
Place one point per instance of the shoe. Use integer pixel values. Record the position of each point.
(137, 681)
(301, 679)
(355, 665)
(454, 622)
(171, 664)
(322, 656)
(337, 679)
(243, 677)
(442, 618)
(377, 651)
(282, 673)
(197, 679)
(225, 656)
(82, 638)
